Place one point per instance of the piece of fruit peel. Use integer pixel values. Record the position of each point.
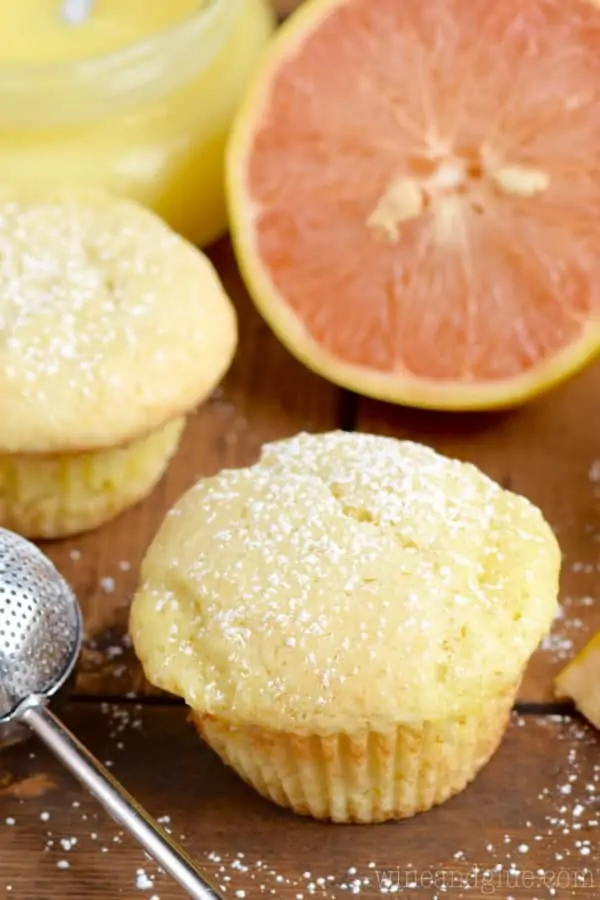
(579, 681)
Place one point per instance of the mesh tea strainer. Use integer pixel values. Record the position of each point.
(40, 639)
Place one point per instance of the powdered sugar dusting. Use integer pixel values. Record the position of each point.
(66, 274)
(404, 547)
(571, 628)
(574, 625)
(541, 851)
(142, 881)
(109, 322)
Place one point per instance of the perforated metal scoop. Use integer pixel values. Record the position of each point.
(40, 639)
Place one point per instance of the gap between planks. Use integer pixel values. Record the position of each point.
(526, 708)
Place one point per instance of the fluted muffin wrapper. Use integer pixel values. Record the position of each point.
(65, 494)
(368, 777)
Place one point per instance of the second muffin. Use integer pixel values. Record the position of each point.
(112, 328)
(348, 619)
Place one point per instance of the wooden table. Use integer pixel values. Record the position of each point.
(528, 826)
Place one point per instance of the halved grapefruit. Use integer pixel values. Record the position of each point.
(414, 193)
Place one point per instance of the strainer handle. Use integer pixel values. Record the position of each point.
(121, 806)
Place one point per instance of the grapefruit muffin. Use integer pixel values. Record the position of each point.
(348, 620)
(112, 328)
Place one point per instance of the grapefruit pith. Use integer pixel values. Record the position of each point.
(414, 194)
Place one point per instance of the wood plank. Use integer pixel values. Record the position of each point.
(267, 395)
(530, 820)
(285, 7)
(547, 451)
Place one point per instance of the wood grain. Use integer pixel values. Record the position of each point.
(510, 815)
(547, 452)
(267, 395)
(285, 7)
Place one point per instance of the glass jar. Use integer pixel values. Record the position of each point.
(149, 121)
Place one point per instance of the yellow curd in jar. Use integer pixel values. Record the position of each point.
(137, 97)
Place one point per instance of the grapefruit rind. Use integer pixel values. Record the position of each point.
(579, 681)
(398, 387)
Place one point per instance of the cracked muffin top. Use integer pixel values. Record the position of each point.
(345, 581)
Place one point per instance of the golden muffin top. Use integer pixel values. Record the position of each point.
(110, 324)
(345, 581)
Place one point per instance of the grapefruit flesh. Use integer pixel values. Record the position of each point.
(414, 193)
